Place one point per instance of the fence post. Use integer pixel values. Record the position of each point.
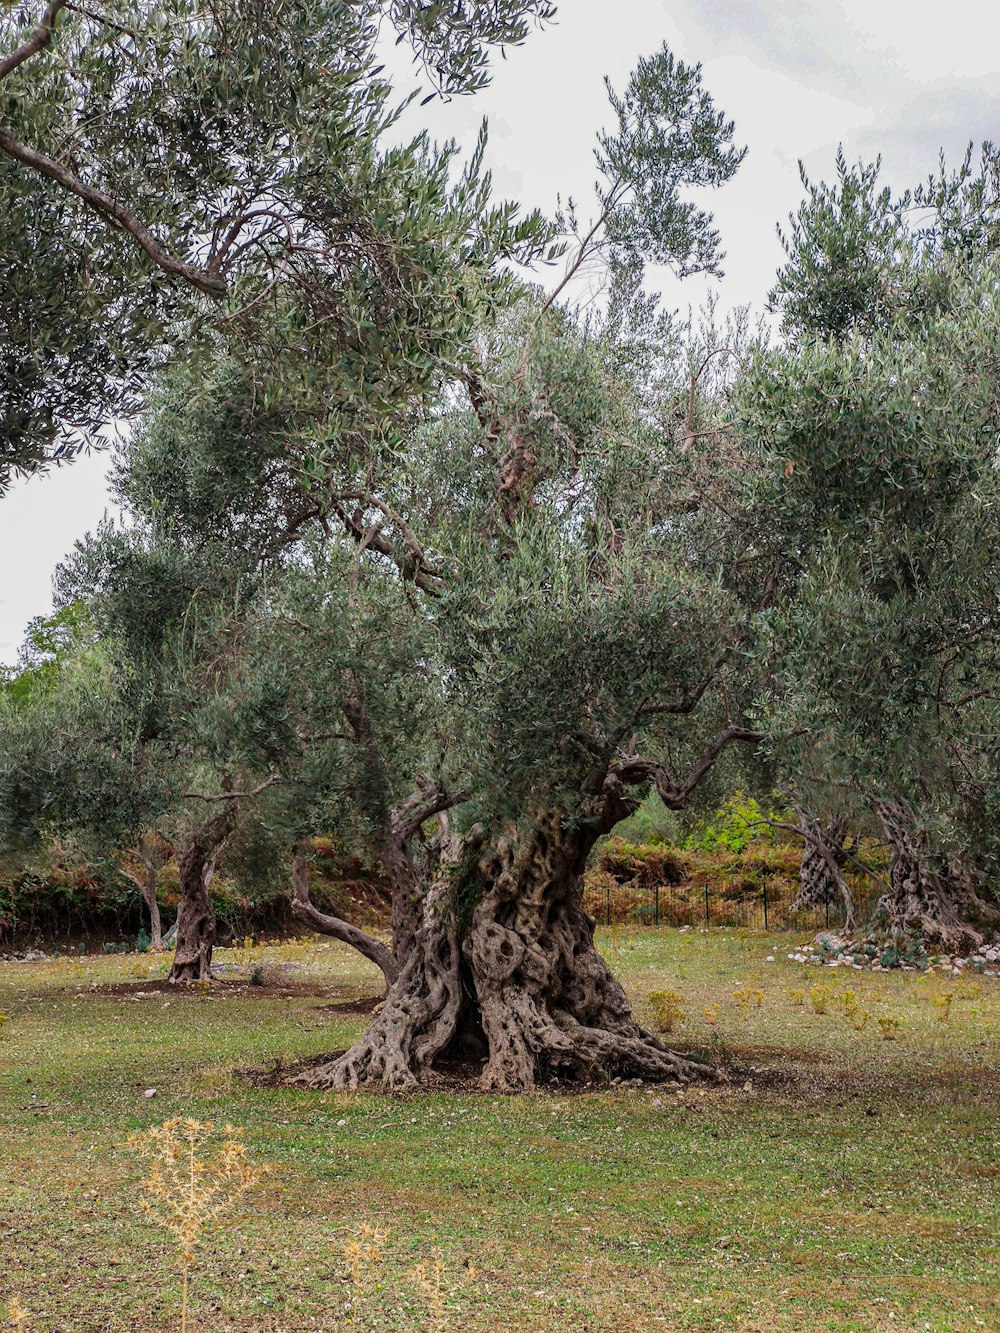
(766, 927)
(706, 906)
(656, 906)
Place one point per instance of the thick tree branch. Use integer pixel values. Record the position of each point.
(675, 796)
(324, 924)
(109, 209)
(38, 40)
(112, 211)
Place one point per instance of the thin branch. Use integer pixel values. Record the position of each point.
(100, 18)
(273, 781)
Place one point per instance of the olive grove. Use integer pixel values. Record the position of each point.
(424, 556)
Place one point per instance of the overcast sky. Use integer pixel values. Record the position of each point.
(899, 78)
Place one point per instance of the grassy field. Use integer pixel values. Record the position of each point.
(836, 1181)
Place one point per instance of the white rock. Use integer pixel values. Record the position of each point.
(150, 1092)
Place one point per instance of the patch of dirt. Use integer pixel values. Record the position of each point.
(364, 1005)
(233, 988)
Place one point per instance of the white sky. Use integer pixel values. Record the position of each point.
(900, 77)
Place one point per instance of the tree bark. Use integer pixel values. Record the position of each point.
(304, 910)
(933, 898)
(196, 915)
(520, 979)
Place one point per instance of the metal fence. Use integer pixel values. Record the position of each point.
(705, 906)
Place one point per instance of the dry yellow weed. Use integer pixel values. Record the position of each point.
(188, 1185)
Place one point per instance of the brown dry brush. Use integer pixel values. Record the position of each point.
(194, 1174)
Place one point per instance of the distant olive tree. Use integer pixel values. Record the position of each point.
(876, 422)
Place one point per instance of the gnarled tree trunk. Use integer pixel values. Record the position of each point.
(520, 979)
(548, 1001)
(932, 897)
(821, 878)
(303, 910)
(196, 915)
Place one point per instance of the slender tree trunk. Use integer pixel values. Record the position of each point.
(196, 915)
(520, 977)
(146, 884)
(148, 891)
(302, 907)
(936, 899)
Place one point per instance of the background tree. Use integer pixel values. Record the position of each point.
(876, 424)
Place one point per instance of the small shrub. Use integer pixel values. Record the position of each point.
(258, 975)
(668, 1009)
(942, 1003)
(749, 997)
(820, 997)
(854, 1012)
(796, 994)
(710, 1014)
(889, 1027)
(142, 942)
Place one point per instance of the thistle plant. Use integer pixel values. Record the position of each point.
(429, 1278)
(17, 1316)
(188, 1185)
(749, 997)
(363, 1253)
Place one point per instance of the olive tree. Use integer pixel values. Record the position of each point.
(876, 423)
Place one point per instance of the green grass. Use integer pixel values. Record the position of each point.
(851, 1186)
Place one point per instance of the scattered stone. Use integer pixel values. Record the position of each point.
(150, 1092)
